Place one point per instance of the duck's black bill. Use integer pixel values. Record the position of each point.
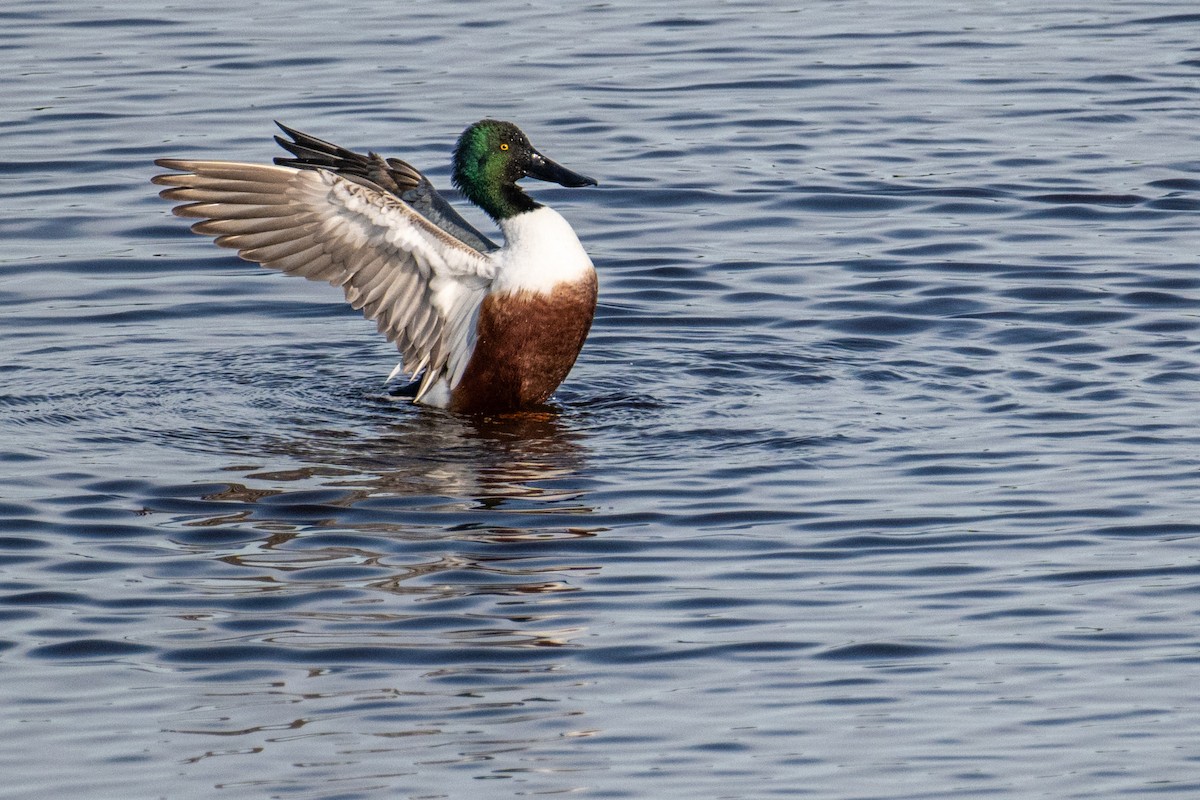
(544, 169)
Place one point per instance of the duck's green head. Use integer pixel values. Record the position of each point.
(489, 159)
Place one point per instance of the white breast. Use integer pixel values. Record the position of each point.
(540, 251)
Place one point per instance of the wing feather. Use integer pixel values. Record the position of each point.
(303, 248)
(240, 227)
(391, 175)
(253, 239)
(227, 210)
(420, 284)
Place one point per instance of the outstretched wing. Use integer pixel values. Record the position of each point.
(422, 286)
(391, 175)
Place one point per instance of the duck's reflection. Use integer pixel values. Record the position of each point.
(430, 508)
(487, 461)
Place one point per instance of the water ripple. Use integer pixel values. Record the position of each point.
(886, 422)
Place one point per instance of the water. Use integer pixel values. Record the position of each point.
(877, 478)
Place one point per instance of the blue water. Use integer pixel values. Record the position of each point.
(878, 477)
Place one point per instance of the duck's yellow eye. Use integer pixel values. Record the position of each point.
(504, 145)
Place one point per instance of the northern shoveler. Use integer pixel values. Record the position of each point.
(493, 328)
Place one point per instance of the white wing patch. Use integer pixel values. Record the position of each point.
(421, 286)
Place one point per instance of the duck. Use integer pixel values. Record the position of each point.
(481, 328)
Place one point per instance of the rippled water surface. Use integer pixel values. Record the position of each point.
(879, 476)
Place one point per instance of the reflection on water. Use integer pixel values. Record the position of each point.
(432, 507)
(530, 461)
